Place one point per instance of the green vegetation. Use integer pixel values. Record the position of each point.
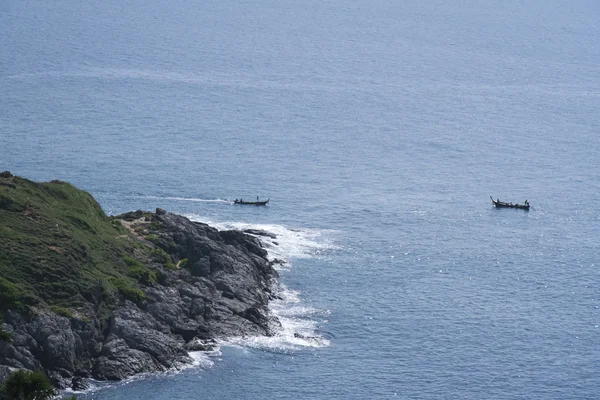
(27, 385)
(10, 293)
(139, 271)
(162, 257)
(155, 226)
(183, 263)
(59, 248)
(61, 311)
(152, 238)
(128, 290)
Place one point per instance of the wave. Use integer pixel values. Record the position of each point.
(299, 329)
(288, 244)
(299, 323)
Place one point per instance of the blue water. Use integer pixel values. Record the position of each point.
(379, 129)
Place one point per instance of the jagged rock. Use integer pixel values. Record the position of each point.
(79, 383)
(6, 174)
(5, 371)
(201, 267)
(201, 345)
(160, 211)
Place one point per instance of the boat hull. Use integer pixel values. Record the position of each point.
(251, 203)
(501, 204)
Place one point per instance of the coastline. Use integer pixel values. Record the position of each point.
(195, 285)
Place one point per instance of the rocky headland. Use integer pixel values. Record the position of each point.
(86, 295)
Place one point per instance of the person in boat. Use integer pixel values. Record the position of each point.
(526, 202)
(257, 198)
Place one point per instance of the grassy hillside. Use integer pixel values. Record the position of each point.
(59, 250)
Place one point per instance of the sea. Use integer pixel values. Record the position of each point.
(378, 129)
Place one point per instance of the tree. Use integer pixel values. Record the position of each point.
(28, 385)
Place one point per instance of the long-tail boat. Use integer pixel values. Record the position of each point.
(252, 203)
(501, 204)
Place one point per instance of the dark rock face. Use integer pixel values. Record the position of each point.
(223, 290)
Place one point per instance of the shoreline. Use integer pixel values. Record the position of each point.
(171, 282)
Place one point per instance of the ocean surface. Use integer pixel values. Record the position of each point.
(379, 129)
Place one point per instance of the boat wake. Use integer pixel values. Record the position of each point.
(192, 199)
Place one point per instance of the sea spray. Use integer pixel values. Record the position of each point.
(299, 325)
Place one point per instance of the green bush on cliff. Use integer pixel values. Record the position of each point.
(10, 293)
(61, 311)
(152, 238)
(162, 257)
(128, 290)
(139, 271)
(28, 385)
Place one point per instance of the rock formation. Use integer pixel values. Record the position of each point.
(161, 286)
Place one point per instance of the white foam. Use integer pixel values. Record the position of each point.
(289, 244)
(202, 359)
(298, 330)
(299, 326)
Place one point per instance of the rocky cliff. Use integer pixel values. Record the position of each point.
(86, 295)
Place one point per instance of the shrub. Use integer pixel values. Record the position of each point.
(6, 203)
(10, 293)
(152, 238)
(139, 271)
(156, 226)
(61, 311)
(128, 290)
(28, 385)
(183, 263)
(162, 257)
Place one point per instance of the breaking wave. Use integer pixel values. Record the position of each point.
(288, 244)
(299, 323)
